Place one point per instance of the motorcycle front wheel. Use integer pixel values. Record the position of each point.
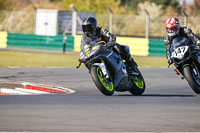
(192, 75)
(104, 85)
(139, 84)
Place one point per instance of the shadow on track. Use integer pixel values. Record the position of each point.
(158, 95)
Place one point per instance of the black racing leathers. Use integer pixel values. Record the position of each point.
(103, 35)
(110, 39)
(184, 32)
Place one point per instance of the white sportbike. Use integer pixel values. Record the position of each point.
(186, 60)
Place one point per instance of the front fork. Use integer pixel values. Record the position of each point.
(180, 73)
(176, 70)
(103, 69)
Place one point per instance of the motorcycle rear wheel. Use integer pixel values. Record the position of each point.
(104, 85)
(192, 78)
(139, 84)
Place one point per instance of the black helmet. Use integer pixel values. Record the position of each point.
(89, 26)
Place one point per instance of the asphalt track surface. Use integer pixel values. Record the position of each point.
(168, 104)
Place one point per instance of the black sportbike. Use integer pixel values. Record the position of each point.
(108, 70)
(186, 59)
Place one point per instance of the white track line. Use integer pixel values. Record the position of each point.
(31, 91)
(13, 92)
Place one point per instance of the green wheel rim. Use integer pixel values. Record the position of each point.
(108, 85)
(139, 84)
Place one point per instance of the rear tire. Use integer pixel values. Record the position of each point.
(192, 78)
(139, 84)
(104, 85)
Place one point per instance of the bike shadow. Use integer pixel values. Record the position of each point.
(158, 95)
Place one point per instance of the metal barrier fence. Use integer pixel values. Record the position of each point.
(122, 24)
(32, 41)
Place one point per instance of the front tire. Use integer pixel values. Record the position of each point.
(192, 76)
(138, 83)
(102, 83)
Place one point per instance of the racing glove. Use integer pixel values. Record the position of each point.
(198, 45)
(111, 44)
(112, 40)
(170, 61)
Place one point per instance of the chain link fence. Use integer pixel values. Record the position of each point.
(123, 24)
(134, 25)
(17, 21)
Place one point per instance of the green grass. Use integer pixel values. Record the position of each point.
(151, 61)
(30, 59)
(27, 59)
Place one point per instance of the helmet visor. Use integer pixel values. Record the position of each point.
(172, 30)
(87, 28)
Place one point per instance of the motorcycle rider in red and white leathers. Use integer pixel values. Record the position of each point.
(175, 30)
(90, 29)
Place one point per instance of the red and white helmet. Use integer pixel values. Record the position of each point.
(172, 26)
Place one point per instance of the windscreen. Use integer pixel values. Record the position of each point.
(180, 41)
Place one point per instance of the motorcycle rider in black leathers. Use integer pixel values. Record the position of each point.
(90, 29)
(175, 30)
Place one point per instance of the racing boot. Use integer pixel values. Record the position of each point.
(125, 54)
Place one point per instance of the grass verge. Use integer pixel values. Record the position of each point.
(30, 59)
